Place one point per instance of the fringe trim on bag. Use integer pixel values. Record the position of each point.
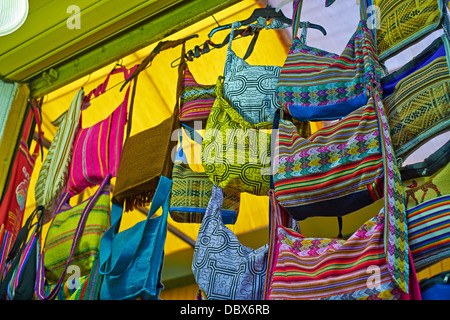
(138, 201)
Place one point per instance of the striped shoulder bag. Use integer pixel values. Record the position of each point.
(196, 100)
(319, 85)
(342, 168)
(73, 240)
(97, 149)
(427, 199)
(301, 268)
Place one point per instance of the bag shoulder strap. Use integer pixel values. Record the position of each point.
(17, 249)
(163, 45)
(126, 256)
(40, 276)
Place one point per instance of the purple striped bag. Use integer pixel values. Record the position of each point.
(97, 149)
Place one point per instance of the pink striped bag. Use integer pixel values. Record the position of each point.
(97, 149)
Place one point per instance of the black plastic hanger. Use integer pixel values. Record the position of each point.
(268, 13)
(208, 45)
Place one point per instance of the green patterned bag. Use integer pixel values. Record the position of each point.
(191, 192)
(65, 231)
(235, 153)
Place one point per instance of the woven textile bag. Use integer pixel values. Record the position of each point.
(236, 153)
(250, 89)
(192, 190)
(73, 239)
(427, 199)
(86, 287)
(131, 260)
(52, 179)
(97, 149)
(417, 98)
(196, 99)
(12, 206)
(401, 23)
(19, 278)
(319, 85)
(345, 165)
(223, 268)
(321, 268)
(335, 171)
(147, 155)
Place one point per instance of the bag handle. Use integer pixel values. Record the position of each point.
(101, 88)
(40, 276)
(395, 220)
(19, 245)
(163, 45)
(297, 6)
(126, 256)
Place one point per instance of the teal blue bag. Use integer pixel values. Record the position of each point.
(131, 261)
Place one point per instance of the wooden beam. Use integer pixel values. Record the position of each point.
(149, 31)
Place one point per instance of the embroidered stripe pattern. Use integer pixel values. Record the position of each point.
(333, 162)
(97, 151)
(61, 234)
(396, 229)
(312, 77)
(196, 100)
(401, 22)
(419, 106)
(429, 231)
(190, 195)
(251, 89)
(319, 268)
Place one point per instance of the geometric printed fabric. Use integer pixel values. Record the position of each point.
(236, 153)
(251, 89)
(223, 268)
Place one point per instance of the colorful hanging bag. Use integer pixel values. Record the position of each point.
(131, 260)
(192, 190)
(236, 153)
(399, 24)
(342, 162)
(319, 85)
(52, 179)
(20, 273)
(427, 198)
(250, 89)
(417, 98)
(223, 268)
(12, 207)
(147, 155)
(196, 99)
(97, 149)
(73, 239)
(301, 268)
